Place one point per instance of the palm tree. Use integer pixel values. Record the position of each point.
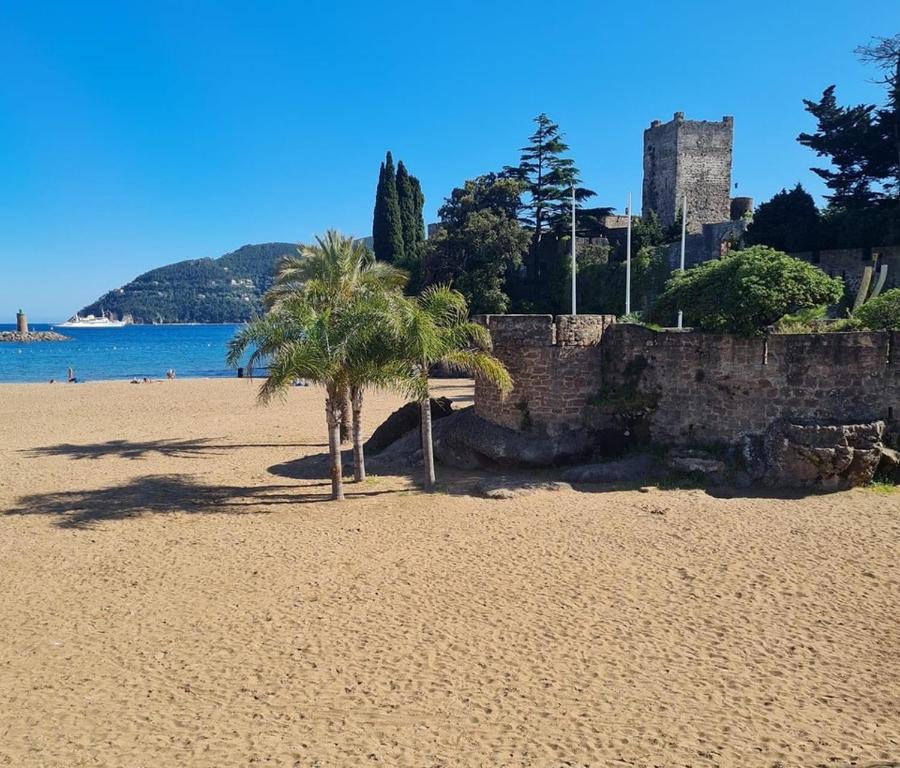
(434, 328)
(297, 340)
(326, 324)
(333, 274)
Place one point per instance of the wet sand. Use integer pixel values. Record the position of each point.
(175, 591)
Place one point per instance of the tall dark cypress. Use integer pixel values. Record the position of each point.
(418, 206)
(379, 219)
(410, 214)
(387, 225)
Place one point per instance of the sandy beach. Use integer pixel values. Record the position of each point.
(176, 591)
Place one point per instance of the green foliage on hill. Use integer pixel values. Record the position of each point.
(745, 292)
(224, 290)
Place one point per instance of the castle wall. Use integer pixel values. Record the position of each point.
(849, 263)
(697, 388)
(553, 366)
(714, 388)
(693, 157)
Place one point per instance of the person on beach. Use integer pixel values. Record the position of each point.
(70, 376)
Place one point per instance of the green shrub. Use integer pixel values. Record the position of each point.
(745, 292)
(882, 312)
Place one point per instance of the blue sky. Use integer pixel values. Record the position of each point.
(137, 134)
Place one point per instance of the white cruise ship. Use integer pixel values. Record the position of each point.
(90, 321)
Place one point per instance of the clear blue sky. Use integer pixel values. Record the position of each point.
(135, 134)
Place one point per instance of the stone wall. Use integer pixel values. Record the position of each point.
(554, 368)
(714, 388)
(693, 388)
(849, 263)
(692, 156)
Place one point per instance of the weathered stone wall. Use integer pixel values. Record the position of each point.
(692, 156)
(849, 263)
(714, 388)
(697, 388)
(554, 369)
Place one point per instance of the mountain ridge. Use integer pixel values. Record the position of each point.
(227, 289)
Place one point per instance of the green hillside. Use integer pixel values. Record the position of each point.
(223, 290)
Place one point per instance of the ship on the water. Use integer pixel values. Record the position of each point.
(90, 321)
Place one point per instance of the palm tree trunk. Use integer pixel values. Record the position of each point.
(333, 417)
(427, 447)
(359, 459)
(345, 411)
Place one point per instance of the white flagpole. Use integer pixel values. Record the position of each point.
(574, 266)
(628, 261)
(683, 237)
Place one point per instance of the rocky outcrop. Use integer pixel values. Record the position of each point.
(470, 441)
(889, 466)
(29, 336)
(404, 420)
(693, 461)
(814, 454)
(634, 468)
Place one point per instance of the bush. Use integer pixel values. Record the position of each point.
(881, 313)
(745, 292)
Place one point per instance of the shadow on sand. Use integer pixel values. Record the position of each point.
(133, 449)
(168, 494)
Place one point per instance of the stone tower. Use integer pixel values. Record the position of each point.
(693, 157)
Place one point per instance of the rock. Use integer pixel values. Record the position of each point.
(889, 465)
(815, 454)
(511, 488)
(470, 441)
(629, 469)
(695, 461)
(30, 336)
(404, 420)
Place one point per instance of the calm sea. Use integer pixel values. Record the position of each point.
(119, 353)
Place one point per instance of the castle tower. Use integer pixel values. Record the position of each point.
(693, 157)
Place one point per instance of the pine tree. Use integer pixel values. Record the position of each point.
(848, 137)
(548, 179)
(387, 226)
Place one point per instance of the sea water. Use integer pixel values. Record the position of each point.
(133, 351)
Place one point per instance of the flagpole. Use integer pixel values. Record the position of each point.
(574, 266)
(628, 261)
(683, 237)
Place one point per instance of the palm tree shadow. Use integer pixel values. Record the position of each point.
(316, 466)
(142, 449)
(165, 494)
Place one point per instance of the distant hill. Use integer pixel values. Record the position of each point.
(224, 290)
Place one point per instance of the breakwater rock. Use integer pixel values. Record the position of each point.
(29, 336)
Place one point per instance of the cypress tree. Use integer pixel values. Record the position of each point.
(409, 194)
(419, 206)
(387, 226)
(379, 237)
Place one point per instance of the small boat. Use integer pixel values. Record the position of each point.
(90, 321)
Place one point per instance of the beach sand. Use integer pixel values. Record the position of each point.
(173, 594)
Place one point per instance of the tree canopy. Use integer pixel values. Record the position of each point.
(479, 242)
(788, 222)
(861, 141)
(745, 292)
